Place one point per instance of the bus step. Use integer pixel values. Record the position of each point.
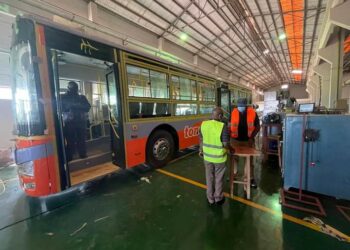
(90, 161)
(92, 173)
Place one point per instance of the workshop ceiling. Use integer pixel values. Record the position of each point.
(265, 42)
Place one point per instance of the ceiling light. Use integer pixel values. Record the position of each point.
(297, 71)
(284, 86)
(282, 36)
(183, 36)
(266, 51)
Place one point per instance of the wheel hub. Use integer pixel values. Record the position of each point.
(161, 149)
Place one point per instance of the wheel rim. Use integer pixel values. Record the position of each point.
(161, 149)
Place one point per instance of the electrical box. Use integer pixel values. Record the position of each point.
(326, 165)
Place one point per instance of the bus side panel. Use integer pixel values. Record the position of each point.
(44, 181)
(189, 135)
(37, 185)
(135, 151)
(137, 133)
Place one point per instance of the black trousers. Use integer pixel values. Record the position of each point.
(75, 135)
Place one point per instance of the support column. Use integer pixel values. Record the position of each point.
(216, 70)
(195, 60)
(333, 54)
(92, 11)
(315, 88)
(160, 43)
(323, 70)
(230, 76)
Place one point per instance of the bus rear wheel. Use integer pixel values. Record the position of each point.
(160, 148)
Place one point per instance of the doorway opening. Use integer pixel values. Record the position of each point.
(87, 121)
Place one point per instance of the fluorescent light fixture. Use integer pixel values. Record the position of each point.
(284, 86)
(183, 36)
(282, 36)
(266, 51)
(297, 71)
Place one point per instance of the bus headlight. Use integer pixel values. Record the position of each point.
(26, 168)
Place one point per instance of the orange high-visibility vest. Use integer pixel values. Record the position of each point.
(251, 114)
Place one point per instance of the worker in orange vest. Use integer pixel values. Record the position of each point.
(245, 125)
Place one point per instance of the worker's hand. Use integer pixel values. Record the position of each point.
(200, 153)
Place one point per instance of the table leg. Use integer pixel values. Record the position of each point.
(247, 166)
(232, 175)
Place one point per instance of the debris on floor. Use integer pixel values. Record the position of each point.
(50, 234)
(109, 194)
(146, 179)
(3, 187)
(327, 229)
(102, 218)
(78, 230)
(178, 196)
(6, 157)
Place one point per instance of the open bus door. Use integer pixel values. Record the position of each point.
(101, 131)
(115, 118)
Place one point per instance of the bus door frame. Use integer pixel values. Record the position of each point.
(62, 159)
(118, 144)
(224, 89)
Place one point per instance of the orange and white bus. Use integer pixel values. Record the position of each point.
(143, 109)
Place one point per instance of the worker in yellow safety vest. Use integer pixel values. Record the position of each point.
(244, 126)
(214, 146)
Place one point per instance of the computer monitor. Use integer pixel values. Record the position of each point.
(306, 108)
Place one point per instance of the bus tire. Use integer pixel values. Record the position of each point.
(160, 148)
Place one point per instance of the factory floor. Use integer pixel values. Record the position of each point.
(170, 212)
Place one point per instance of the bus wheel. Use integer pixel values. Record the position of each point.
(160, 148)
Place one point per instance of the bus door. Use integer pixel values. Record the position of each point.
(88, 116)
(225, 102)
(115, 117)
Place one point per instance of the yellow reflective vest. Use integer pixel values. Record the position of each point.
(213, 149)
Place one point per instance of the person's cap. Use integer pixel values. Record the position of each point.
(242, 102)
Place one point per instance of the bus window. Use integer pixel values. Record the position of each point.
(159, 86)
(206, 92)
(183, 88)
(148, 109)
(185, 109)
(206, 108)
(146, 83)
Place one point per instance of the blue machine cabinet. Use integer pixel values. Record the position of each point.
(326, 161)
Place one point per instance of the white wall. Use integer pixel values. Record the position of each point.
(6, 125)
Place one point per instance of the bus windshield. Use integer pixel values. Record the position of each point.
(25, 97)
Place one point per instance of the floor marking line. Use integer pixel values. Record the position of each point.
(249, 203)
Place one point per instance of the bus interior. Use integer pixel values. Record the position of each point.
(92, 76)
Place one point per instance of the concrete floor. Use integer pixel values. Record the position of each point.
(123, 212)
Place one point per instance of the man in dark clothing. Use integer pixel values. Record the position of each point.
(245, 125)
(74, 111)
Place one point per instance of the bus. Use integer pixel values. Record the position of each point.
(143, 109)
